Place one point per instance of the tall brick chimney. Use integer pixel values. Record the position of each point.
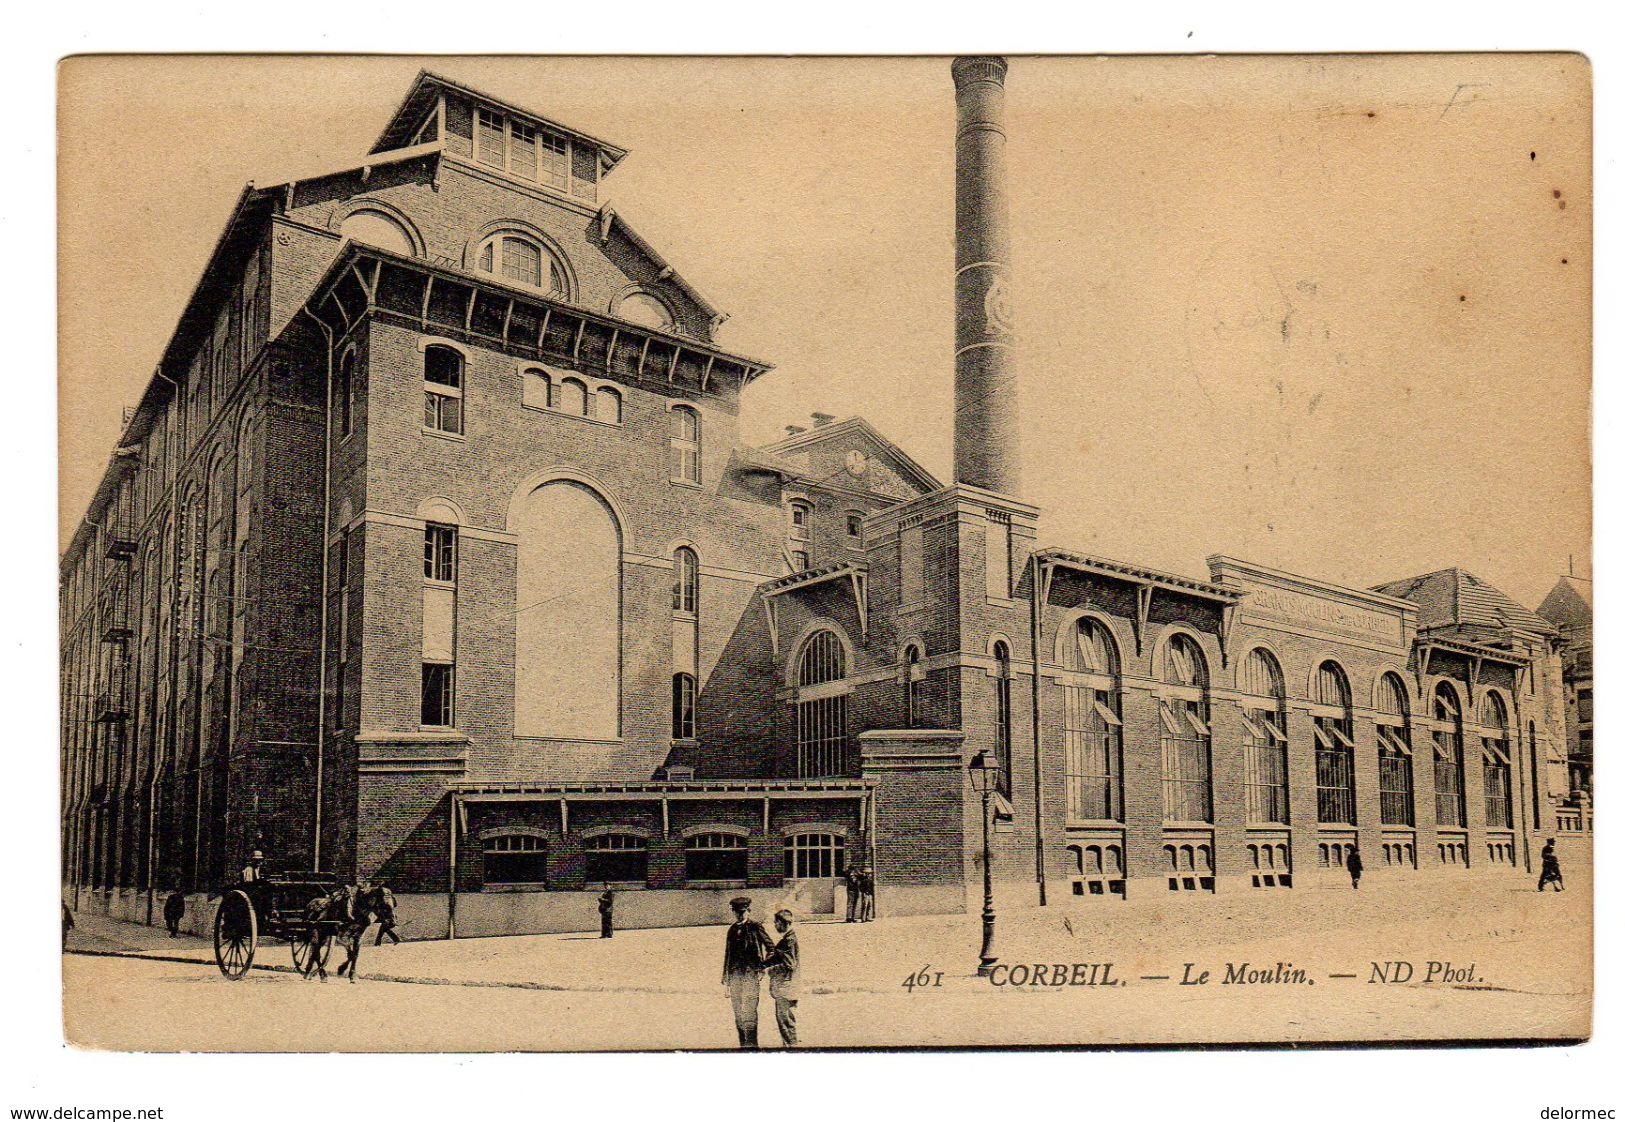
(987, 447)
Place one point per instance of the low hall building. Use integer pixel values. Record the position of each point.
(431, 555)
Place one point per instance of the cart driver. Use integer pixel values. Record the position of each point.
(252, 870)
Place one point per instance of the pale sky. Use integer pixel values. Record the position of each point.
(1328, 314)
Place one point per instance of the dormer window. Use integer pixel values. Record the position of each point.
(523, 261)
(535, 154)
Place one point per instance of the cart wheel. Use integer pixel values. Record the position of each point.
(236, 933)
(305, 959)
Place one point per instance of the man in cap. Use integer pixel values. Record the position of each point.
(251, 871)
(784, 976)
(748, 947)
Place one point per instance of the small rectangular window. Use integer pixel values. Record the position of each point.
(437, 695)
(798, 560)
(522, 156)
(854, 525)
(555, 160)
(490, 137)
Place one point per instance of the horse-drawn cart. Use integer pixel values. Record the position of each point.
(277, 906)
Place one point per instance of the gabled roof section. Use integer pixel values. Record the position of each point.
(802, 443)
(609, 221)
(1568, 604)
(427, 88)
(1456, 598)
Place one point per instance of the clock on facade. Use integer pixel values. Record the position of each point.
(856, 462)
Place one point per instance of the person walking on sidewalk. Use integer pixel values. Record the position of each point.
(386, 916)
(1356, 866)
(1550, 872)
(746, 953)
(606, 914)
(174, 912)
(784, 976)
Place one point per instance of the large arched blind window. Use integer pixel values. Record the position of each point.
(373, 227)
(1187, 767)
(1093, 724)
(1497, 748)
(1334, 745)
(644, 310)
(567, 665)
(1394, 778)
(821, 707)
(1449, 789)
(1263, 734)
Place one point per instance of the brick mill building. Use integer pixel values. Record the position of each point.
(431, 554)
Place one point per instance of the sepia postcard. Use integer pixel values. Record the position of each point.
(594, 554)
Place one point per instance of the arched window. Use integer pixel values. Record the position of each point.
(514, 859)
(644, 310)
(607, 405)
(572, 397)
(1394, 779)
(1001, 715)
(814, 856)
(685, 444)
(1263, 728)
(1093, 725)
(523, 261)
(913, 677)
(1334, 745)
(442, 389)
(821, 707)
(1187, 754)
(685, 584)
(616, 859)
(714, 857)
(682, 707)
(1449, 790)
(375, 228)
(1497, 748)
(538, 389)
(569, 584)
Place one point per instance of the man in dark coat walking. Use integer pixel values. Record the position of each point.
(1550, 872)
(748, 948)
(1356, 866)
(854, 890)
(606, 914)
(386, 916)
(174, 912)
(784, 976)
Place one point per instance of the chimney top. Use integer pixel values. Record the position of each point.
(820, 419)
(794, 430)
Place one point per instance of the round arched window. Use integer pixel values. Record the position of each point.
(375, 228)
(523, 261)
(644, 310)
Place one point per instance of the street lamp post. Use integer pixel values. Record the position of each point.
(984, 774)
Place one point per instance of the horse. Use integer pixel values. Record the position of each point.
(344, 915)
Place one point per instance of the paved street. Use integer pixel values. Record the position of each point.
(1530, 957)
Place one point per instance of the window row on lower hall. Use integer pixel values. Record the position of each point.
(1093, 768)
(622, 860)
